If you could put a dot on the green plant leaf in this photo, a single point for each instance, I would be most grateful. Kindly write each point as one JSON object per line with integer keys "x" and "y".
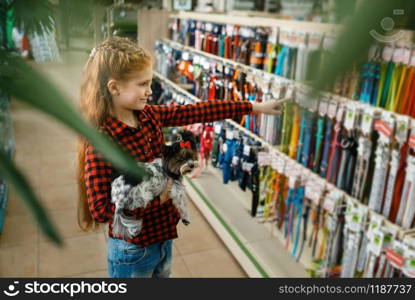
{"x": 33, "y": 16}
{"x": 355, "y": 39}
{"x": 22, "y": 81}
{"x": 12, "y": 175}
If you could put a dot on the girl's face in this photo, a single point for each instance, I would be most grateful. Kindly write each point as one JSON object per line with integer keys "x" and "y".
{"x": 133, "y": 92}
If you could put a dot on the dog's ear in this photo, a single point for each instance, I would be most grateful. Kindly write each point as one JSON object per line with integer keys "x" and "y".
{"x": 167, "y": 150}
{"x": 128, "y": 178}
{"x": 115, "y": 174}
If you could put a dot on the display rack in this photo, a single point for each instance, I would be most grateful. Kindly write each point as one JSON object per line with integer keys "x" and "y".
{"x": 274, "y": 148}
{"x": 305, "y": 26}
{"x": 326, "y": 30}
{"x": 249, "y": 69}
{"x": 259, "y": 22}
{"x": 305, "y": 172}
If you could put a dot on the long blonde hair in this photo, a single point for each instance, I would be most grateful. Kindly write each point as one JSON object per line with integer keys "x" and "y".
{"x": 114, "y": 58}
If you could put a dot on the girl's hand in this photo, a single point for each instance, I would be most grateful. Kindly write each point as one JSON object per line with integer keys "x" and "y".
{"x": 165, "y": 195}
{"x": 273, "y": 107}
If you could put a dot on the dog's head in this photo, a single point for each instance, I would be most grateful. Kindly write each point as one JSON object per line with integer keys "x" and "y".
{"x": 180, "y": 157}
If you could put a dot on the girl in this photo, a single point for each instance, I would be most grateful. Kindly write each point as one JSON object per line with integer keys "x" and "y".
{"x": 114, "y": 91}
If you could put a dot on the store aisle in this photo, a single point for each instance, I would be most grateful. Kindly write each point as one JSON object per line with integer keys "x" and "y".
{"x": 45, "y": 152}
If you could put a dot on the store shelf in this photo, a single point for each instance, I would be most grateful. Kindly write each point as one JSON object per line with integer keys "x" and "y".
{"x": 329, "y": 186}
{"x": 259, "y": 21}
{"x": 247, "y": 68}
{"x": 259, "y": 249}
{"x": 405, "y": 36}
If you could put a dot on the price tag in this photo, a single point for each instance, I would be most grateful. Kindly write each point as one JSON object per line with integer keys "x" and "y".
{"x": 402, "y": 129}
{"x": 235, "y": 160}
{"x": 313, "y": 104}
{"x": 412, "y": 137}
{"x": 409, "y": 241}
{"x": 209, "y": 26}
{"x": 265, "y": 83}
{"x": 314, "y": 41}
{"x": 247, "y": 150}
{"x": 357, "y": 217}
{"x": 236, "y": 134}
{"x": 406, "y": 59}
{"x": 331, "y": 223}
{"x": 293, "y": 182}
{"x": 279, "y": 164}
{"x": 220, "y": 70}
{"x": 375, "y": 223}
{"x": 319, "y": 189}
{"x": 398, "y": 55}
{"x": 274, "y": 160}
{"x": 385, "y": 126}
{"x": 332, "y": 200}
{"x": 376, "y": 242}
{"x": 409, "y": 266}
{"x": 185, "y": 56}
{"x": 294, "y": 39}
{"x": 340, "y": 112}
{"x": 284, "y": 37}
{"x": 395, "y": 254}
{"x": 305, "y": 175}
{"x": 302, "y": 39}
{"x": 353, "y": 222}
{"x": 387, "y": 53}
{"x": 247, "y": 166}
{"x": 249, "y": 77}
{"x": 264, "y": 158}
{"x": 276, "y": 90}
{"x": 323, "y": 107}
{"x": 229, "y": 134}
{"x": 332, "y": 109}
{"x": 224, "y": 148}
{"x": 294, "y": 175}
{"x": 218, "y": 128}
{"x": 351, "y": 115}
{"x": 290, "y": 91}
{"x": 372, "y": 52}
{"x": 229, "y": 30}
{"x": 389, "y": 237}
{"x": 206, "y": 65}
{"x": 367, "y": 121}
{"x": 273, "y": 39}
{"x": 309, "y": 190}
{"x": 196, "y": 59}
{"x": 315, "y": 189}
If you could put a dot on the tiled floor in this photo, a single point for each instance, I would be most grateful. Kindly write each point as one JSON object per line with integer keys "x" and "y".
{"x": 45, "y": 152}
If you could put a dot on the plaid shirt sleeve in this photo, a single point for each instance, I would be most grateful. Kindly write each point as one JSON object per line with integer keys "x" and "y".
{"x": 98, "y": 187}
{"x": 204, "y": 112}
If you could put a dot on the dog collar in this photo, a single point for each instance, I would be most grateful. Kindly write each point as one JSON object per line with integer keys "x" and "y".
{"x": 171, "y": 174}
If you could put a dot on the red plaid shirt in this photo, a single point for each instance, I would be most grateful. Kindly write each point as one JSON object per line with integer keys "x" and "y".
{"x": 145, "y": 144}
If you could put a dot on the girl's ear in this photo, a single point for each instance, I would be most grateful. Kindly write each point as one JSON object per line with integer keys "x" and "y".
{"x": 113, "y": 87}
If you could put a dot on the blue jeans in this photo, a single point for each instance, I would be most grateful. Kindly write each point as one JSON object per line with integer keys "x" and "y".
{"x": 127, "y": 260}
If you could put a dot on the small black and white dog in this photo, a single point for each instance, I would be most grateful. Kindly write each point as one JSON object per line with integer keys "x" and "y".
{"x": 127, "y": 192}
